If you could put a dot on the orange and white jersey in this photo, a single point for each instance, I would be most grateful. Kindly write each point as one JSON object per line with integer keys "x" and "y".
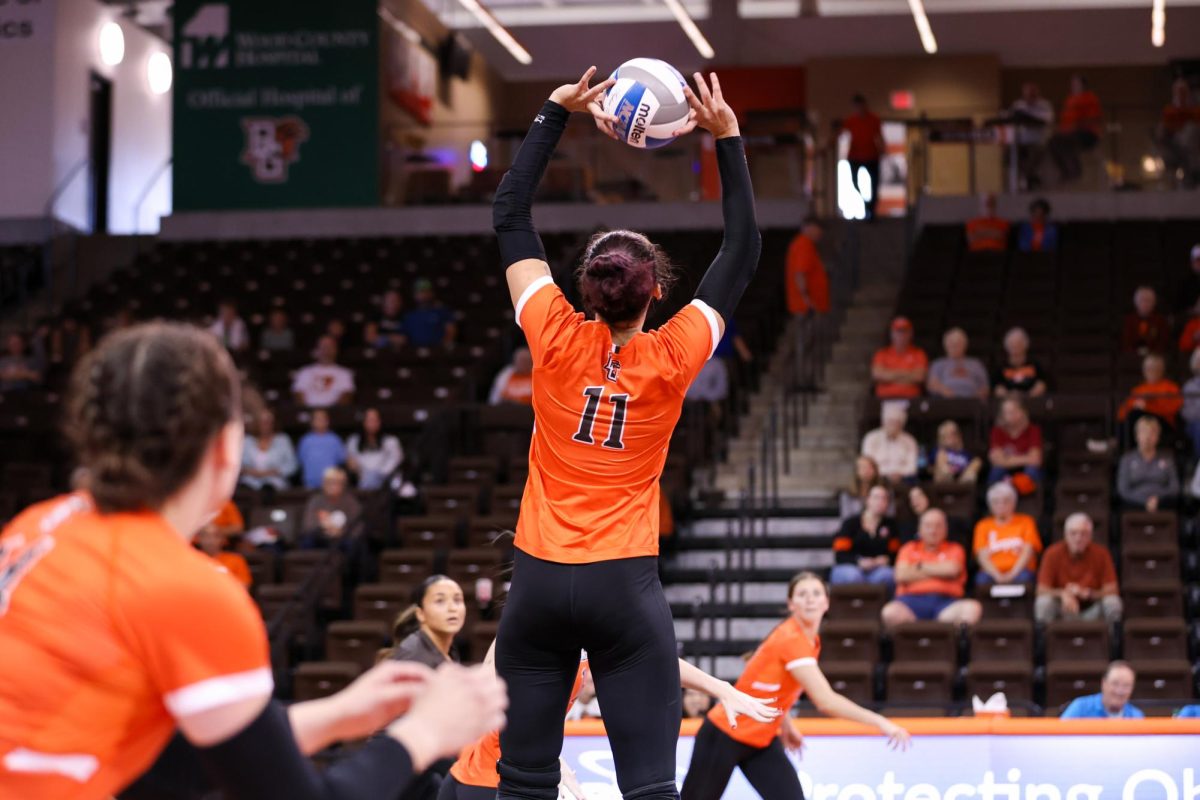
{"x": 604, "y": 416}
{"x": 111, "y": 627}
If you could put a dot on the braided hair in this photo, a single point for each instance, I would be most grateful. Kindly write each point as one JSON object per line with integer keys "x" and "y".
{"x": 142, "y": 409}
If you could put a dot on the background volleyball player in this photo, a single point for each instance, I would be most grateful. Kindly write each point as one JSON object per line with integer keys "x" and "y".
{"x": 606, "y": 397}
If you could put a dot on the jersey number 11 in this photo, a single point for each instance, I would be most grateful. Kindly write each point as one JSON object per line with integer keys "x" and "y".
{"x": 587, "y": 420}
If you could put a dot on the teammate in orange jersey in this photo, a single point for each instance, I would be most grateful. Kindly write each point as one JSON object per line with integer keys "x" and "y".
{"x": 115, "y": 631}
{"x": 784, "y": 665}
{"x": 474, "y": 776}
{"x": 606, "y": 397}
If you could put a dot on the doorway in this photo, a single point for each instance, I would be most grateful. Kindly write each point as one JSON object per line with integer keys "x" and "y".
{"x": 100, "y": 150}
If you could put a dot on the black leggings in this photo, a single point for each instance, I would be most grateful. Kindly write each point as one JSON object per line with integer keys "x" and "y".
{"x": 453, "y": 790}
{"x": 715, "y": 756}
{"x": 616, "y": 611}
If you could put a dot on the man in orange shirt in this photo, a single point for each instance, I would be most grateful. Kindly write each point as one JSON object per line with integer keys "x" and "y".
{"x": 899, "y": 369}
{"x": 1079, "y": 129}
{"x": 1179, "y": 136}
{"x": 931, "y": 574}
{"x": 1157, "y": 395}
{"x": 988, "y": 232}
{"x": 866, "y": 149}
{"x": 1006, "y": 543}
{"x": 807, "y": 283}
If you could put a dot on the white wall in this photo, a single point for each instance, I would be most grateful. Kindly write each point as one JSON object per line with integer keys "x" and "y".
{"x": 26, "y": 52}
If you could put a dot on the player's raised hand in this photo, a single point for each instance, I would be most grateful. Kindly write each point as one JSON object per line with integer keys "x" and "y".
{"x": 576, "y": 96}
{"x": 709, "y": 109}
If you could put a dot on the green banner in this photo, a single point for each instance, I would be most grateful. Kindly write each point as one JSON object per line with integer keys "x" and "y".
{"x": 276, "y": 104}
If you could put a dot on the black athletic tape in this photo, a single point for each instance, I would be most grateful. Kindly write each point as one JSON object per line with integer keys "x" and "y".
{"x": 512, "y": 210}
{"x": 730, "y": 272}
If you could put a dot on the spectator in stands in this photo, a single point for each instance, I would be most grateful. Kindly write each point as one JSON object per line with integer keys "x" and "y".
{"x": 711, "y": 389}
{"x": 695, "y": 704}
{"x": 429, "y": 324}
{"x": 277, "y": 336}
{"x": 1190, "y": 711}
{"x": 865, "y": 545}
{"x": 332, "y": 516}
{"x": 268, "y": 458}
{"x": 1116, "y": 687}
{"x": 807, "y": 289}
{"x": 1015, "y": 448}
{"x": 229, "y": 328}
{"x": 1038, "y": 234}
{"x": 1189, "y": 337}
{"x": 918, "y": 504}
{"x": 587, "y": 705}
{"x": 1077, "y": 579}
{"x": 514, "y": 383}
{"x": 952, "y": 462}
{"x": 1145, "y": 329}
{"x": 866, "y": 150}
{"x": 19, "y": 370}
{"x": 324, "y": 383}
{"x": 371, "y": 454}
{"x": 213, "y": 543}
{"x": 229, "y": 521}
{"x": 1018, "y": 374}
{"x": 1157, "y": 395}
{"x": 866, "y": 477}
{"x": 931, "y": 574}
{"x": 1178, "y": 136}
{"x": 1147, "y": 479}
{"x": 1189, "y": 293}
{"x": 336, "y": 330}
{"x": 899, "y": 369}
{"x": 391, "y": 318}
{"x": 1007, "y": 543}
{"x": 70, "y": 340}
{"x": 425, "y": 631}
{"x": 1038, "y": 115}
{"x": 1079, "y": 129}
{"x": 956, "y": 374}
{"x": 1191, "y": 403}
{"x": 987, "y": 232}
{"x": 891, "y": 447}
{"x": 319, "y": 450}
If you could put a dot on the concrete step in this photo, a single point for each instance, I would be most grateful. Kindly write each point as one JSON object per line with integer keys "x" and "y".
{"x": 775, "y": 526}
{"x": 777, "y": 559}
{"x": 748, "y": 628}
{"x": 751, "y": 593}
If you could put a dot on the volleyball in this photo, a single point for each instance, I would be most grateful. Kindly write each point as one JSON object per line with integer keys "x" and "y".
{"x": 648, "y": 101}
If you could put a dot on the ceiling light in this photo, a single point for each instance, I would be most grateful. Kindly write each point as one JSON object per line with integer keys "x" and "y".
{"x": 927, "y": 40}
{"x": 497, "y": 30}
{"x": 159, "y": 72}
{"x": 1158, "y": 23}
{"x": 112, "y": 44}
{"x": 689, "y": 27}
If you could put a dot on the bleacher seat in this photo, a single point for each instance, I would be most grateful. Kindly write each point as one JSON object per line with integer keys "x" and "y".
{"x": 313, "y": 680}
{"x": 1077, "y": 640}
{"x": 853, "y": 640}
{"x": 355, "y": 641}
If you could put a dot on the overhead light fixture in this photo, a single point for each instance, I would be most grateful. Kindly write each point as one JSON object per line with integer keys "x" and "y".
{"x": 927, "y": 40}
{"x": 1158, "y": 23}
{"x": 159, "y": 73}
{"x": 498, "y": 31}
{"x": 112, "y": 44}
{"x": 689, "y": 27}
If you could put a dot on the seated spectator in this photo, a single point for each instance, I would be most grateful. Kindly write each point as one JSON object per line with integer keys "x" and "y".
{"x": 1157, "y": 395}
{"x": 1145, "y": 329}
{"x": 324, "y": 383}
{"x": 370, "y": 454}
{"x": 1147, "y": 479}
{"x": 1178, "y": 136}
{"x": 1188, "y": 295}
{"x": 319, "y": 450}
{"x": 277, "y": 336}
{"x": 514, "y": 383}
{"x": 586, "y": 706}
{"x": 1038, "y": 234}
{"x": 1079, "y": 129}
{"x": 1037, "y": 115}
{"x": 70, "y": 341}
{"x": 391, "y": 319}
{"x": 1077, "y": 579}
{"x": 336, "y": 330}
{"x": 229, "y": 521}
{"x": 956, "y": 374}
{"x": 866, "y": 477}
{"x": 1116, "y": 687}
{"x": 891, "y": 447}
{"x": 1189, "y": 337}
{"x": 212, "y": 542}
{"x": 1006, "y": 543}
{"x": 899, "y": 369}
{"x": 1190, "y": 711}
{"x": 918, "y": 504}
{"x": 19, "y": 371}
{"x": 931, "y": 574}
{"x": 229, "y": 328}
{"x": 1015, "y": 448}
{"x": 430, "y": 324}
{"x": 987, "y": 232}
{"x": 268, "y": 458}
{"x": 1018, "y": 374}
{"x": 1191, "y": 403}
{"x": 332, "y": 516}
{"x": 952, "y": 463}
{"x": 865, "y": 545}
{"x": 695, "y": 704}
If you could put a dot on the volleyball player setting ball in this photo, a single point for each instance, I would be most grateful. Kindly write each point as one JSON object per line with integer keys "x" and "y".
{"x": 606, "y": 398}
{"x": 115, "y": 632}
{"x": 784, "y": 665}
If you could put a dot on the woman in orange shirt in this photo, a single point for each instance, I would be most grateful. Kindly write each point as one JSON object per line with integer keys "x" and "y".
{"x": 1079, "y": 129}
{"x": 784, "y": 665}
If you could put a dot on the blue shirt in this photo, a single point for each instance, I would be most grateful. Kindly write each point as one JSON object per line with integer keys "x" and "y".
{"x": 426, "y": 327}
{"x": 725, "y": 348}
{"x": 1049, "y": 238}
{"x": 318, "y": 452}
{"x": 1189, "y": 712}
{"x": 1090, "y": 707}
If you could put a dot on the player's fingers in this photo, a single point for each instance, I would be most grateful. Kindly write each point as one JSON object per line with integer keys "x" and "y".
{"x": 587, "y": 75}
{"x": 687, "y": 128}
{"x": 691, "y": 98}
{"x": 599, "y": 89}
{"x": 716, "y": 87}
{"x": 702, "y": 88}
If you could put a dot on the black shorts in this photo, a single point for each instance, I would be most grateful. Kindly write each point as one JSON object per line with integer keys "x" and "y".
{"x": 716, "y": 755}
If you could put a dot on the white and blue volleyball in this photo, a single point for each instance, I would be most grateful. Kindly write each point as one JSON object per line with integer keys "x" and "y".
{"x": 647, "y": 99}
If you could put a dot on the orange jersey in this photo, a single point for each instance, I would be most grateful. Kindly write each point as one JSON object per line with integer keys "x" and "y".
{"x": 769, "y": 674}
{"x": 476, "y": 765}
{"x": 111, "y": 627}
{"x": 603, "y": 421}
{"x": 915, "y": 552}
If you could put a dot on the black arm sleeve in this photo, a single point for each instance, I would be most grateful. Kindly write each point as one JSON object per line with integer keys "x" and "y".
{"x": 264, "y": 763}
{"x": 512, "y": 210}
{"x": 730, "y": 272}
